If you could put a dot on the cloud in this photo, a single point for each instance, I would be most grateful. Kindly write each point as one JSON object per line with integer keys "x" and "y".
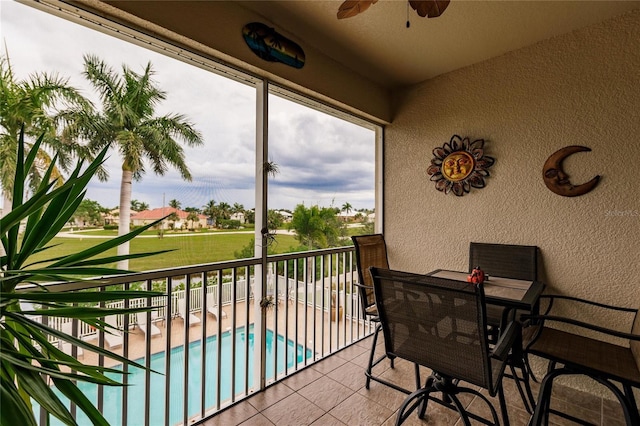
{"x": 321, "y": 159}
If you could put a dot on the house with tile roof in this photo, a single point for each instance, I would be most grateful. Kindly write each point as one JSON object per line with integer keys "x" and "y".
{"x": 147, "y": 216}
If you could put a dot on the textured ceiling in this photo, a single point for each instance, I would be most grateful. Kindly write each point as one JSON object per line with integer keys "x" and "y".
{"x": 378, "y": 44}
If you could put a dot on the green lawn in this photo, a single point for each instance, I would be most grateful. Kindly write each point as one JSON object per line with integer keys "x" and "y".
{"x": 189, "y": 250}
{"x": 154, "y": 232}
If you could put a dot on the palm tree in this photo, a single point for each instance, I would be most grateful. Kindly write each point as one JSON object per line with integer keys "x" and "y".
{"x": 173, "y": 218}
{"x": 210, "y": 210}
{"x": 175, "y": 204}
{"x": 139, "y": 205}
{"x": 127, "y": 122}
{"x": 225, "y": 210}
{"x": 237, "y": 208}
{"x": 46, "y": 105}
{"x": 191, "y": 217}
{"x": 346, "y": 207}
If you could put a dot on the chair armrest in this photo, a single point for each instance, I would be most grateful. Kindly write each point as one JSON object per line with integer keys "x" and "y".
{"x": 505, "y": 341}
{"x": 585, "y": 325}
{"x": 364, "y": 286}
{"x": 547, "y": 315}
{"x": 552, "y": 298}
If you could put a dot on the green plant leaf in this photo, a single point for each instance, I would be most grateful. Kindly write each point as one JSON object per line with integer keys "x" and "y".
{"x": 22, "y": 364}
{"x": 34, "y": 218}
{"x": 80, "y": 297}
{"x": 37, "y": 389}
{"x": 27, "y": 353}
{"x": 58, "y": 358}
{"x": 42, "y": 330}
{"x": 72, "y": 392}
{"x": 33, "y": 239}
{"x": 15, "y": 411}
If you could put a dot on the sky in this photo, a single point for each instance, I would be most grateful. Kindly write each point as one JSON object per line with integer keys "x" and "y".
{"x": 321, "y": 159}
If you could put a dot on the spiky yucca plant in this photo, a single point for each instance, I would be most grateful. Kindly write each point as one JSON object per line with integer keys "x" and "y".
{"x": 27, "y": 358}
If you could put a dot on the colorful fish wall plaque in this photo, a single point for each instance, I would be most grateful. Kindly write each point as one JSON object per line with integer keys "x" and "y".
{"x": 271, "y": 46}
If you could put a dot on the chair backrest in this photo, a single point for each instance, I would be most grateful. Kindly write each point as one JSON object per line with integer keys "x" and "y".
{"x": 437, "y": 323}
{"x": 141, "y": 318}
{"x": 505, "y": 260}
{"x": 371, "y": 250}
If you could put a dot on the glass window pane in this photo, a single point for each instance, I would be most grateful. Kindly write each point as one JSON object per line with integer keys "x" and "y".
{"x": 323, "y": 161}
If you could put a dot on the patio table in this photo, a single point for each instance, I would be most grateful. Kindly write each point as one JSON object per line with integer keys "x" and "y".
{"x": 507, "y": 292}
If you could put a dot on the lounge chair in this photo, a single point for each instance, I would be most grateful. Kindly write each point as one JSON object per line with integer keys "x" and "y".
{"x": 66, "y": 347}
{"x": 113, "y": 335}
{"x": 212, "y": 307}
{"x": 182, "y": 311}
{"x": 141, "y": 319}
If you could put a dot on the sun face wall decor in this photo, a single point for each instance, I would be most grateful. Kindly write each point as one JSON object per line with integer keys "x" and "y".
{"x": 459, "y": 165}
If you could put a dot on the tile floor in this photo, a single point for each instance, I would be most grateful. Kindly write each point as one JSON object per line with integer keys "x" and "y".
{"x": 332, "y": 392}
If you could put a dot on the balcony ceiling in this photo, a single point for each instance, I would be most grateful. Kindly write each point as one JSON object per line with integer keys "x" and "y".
{"x": 378, "y": 45}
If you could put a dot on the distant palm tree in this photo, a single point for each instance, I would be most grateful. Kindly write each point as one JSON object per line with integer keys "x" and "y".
{"x": 237, "y": 208}
{"x": 210, "y": 209}
{"x": 173, "y": 218}
{"x": 44, "y": 104}
{"x": 129, "y": 124}
{"x": 224, "y": 209}
{"x": 139, "y": 205}
{"x": 192, "y": 217}
{"x": 346, "y": 207}
{"x": 175, "y": 204}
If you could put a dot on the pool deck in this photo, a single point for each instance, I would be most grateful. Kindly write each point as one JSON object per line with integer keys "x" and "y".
{"x": 137, "y": 341}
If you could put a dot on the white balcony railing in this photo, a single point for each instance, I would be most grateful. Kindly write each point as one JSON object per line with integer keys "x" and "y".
{"x": 205, "y": 349}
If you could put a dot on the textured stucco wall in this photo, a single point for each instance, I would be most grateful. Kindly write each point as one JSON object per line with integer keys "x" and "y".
{"x": 582, "y": 88}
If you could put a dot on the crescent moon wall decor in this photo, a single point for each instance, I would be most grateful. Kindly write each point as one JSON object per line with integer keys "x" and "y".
{"x": 558, "y": 181}
{"x": 272, "y": 46}
{"x": 459, "y": 165}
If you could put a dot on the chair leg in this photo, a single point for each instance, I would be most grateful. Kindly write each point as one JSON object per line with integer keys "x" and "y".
{"x": 372, "y": 354}
{"x": 372, "y": 363}
{"x": 417, "y": 371}
{"x": 460, "y": 408}
{"x": 544, "y": 399}
{"x": 421, "y": 396}
{"x": 633, "y": 407}
{"x": 526, "y": 394}
{"x": 423, "y": 409}
{"x": 503, "y": 406}
{"x": 626, "y": 399}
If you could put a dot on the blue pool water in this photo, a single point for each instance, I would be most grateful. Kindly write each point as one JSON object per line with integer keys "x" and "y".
{"x": 135, "y": 397}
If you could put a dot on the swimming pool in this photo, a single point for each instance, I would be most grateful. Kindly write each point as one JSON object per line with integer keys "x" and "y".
{"x": 135, "y": 397}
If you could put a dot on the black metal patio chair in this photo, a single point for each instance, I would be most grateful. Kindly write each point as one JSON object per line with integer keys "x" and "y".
{"x": 508, "y": 261}
{"x": 583, "y": 351}
{"x": 371, "y": 250}
{"x": 503, "y": 260}
{"x": 441, "y": 324}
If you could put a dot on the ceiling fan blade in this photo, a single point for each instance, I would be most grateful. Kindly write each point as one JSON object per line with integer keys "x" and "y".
{"x": 429, "y": 8}
{"x": 353, "y": 7}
